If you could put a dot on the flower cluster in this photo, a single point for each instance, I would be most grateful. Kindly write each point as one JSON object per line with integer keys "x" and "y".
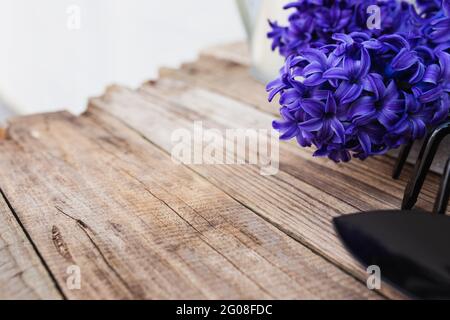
{"x": 349, "y": 90}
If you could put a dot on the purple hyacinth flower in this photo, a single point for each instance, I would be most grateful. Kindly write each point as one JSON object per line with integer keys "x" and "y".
{"x": 427, "y": 6}
{"x": 353, "y": 71}
{"x": 414, "y": 122}
{"x": 323, "y": 120}
{"x": 289, "y": 127}
{"x": 351, "y": 91}
{"x": 352, "y": 74}
{"x": 276, "y": 34}
{"x": 332, "y": 20}
{"x": 439, "y": 30}
{"x": 436, "y": 83}
{"x": 282, "y": 82}
{"x": 319, "y": 63}
{"x": 441, "y": 111}
{"x": 384, "y": 105}
{"x": 335, "y": 152}
{"x": 369, "y": 136}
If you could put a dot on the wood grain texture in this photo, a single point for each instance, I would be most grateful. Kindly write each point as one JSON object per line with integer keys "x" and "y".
{"x": 229, "y": 78}
{"x": 296, "y": 207}
{"x": 22, "y": 274}
{"x": 95, "y": 194}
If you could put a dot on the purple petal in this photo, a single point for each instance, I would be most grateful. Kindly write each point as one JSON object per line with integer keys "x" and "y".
{"x": 333, "y": 59}
{"x": 391, "y": 92}
{"x": 286, "y": 114}
{"x": 290, "y": 133}
{"x": 336, "y": 73}
{"x": 314, "y": 80}
{"x": 444, "y": 62}
{"x": 372, "y": 44}
{"x": 313, "y": 67}
{"x": 281, "y": 125}
{"x": 321, "y": 152}
{"x": 416, "y": 91}
{"x": 314, "y": 55}
{"x": 365, "y": 142}
{"x": 350, "y": 66}
{"x": 330, "y": 105}
{"x": 319, "y": 94}
{"x": 376, "y": 85}
{"x": 313, "y": 107}
{"x": 395, "y": 42}
{"x": 442, "y": 111}
{"x": 419, "y": 129}
{"x": 274, "y": 88}
{"x": 341, "y": 90}
{"x": 362, "y": 107}
{"x": 401, "y": 128}
{"x": 446, "y": 7}
{"x": 418, "y": 75}
{"x": 395, "y": 105}
{"x": 365, "y": 63}
{"x": 404, "y": 60}
{"x": 432, "y": 74}
{"x": 289, "y": 96}
{"x": 431, "y": 95}
{"x": 303, "y": 139}
{"x": 314, "y": 124}
{"x": 352, "y": 93}
{"x": 440, "y": 28}
{"x": 388, "y": 118}
{"x": 326, "y": 133}
{"x": 411, "y": 103}
{"x": 340, "y": 155}
{"x": 342, "y": 37}
{"x": 339, "y": 130}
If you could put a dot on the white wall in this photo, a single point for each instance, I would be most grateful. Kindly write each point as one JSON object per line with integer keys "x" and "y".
{"x": 45, "y": 66}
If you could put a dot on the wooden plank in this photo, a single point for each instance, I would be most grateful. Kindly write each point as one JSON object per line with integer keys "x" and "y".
{"x": 22, "y": 274}
{"x": 226, "y": 77}
{"x": 378, "y": 169}
{"x": 237, "y": 52}
{"x": 95, "y": 194}
{"x": 298, "y": 208}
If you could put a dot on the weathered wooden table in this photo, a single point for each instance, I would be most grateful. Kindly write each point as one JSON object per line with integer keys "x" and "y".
{"x": 97, "y": 198}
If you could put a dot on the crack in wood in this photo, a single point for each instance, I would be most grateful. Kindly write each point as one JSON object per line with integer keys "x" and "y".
{"x": 34, "y": 247}
{"x": 135, "y": 291}
{"x": 60, "y": 245}
{"x": 85, "y": 228}
{"x": 78, "y": 221}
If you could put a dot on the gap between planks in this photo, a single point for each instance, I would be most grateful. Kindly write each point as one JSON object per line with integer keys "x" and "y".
{"x": 23, "y": 274}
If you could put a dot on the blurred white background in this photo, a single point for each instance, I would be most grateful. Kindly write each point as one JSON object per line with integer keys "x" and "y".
{"x": 47, "y": 63}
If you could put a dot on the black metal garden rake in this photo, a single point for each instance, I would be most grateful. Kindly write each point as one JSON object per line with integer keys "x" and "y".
{"x": 426, "y": 156}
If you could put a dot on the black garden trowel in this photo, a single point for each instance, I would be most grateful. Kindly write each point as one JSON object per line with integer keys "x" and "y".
{"x": 411, "y": 248}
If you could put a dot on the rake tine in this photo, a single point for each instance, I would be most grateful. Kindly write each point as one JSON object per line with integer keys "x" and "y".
{"x": 423, "y": 164}
{"x": 401, "y": 160}
{"x": 441, "y": 204}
